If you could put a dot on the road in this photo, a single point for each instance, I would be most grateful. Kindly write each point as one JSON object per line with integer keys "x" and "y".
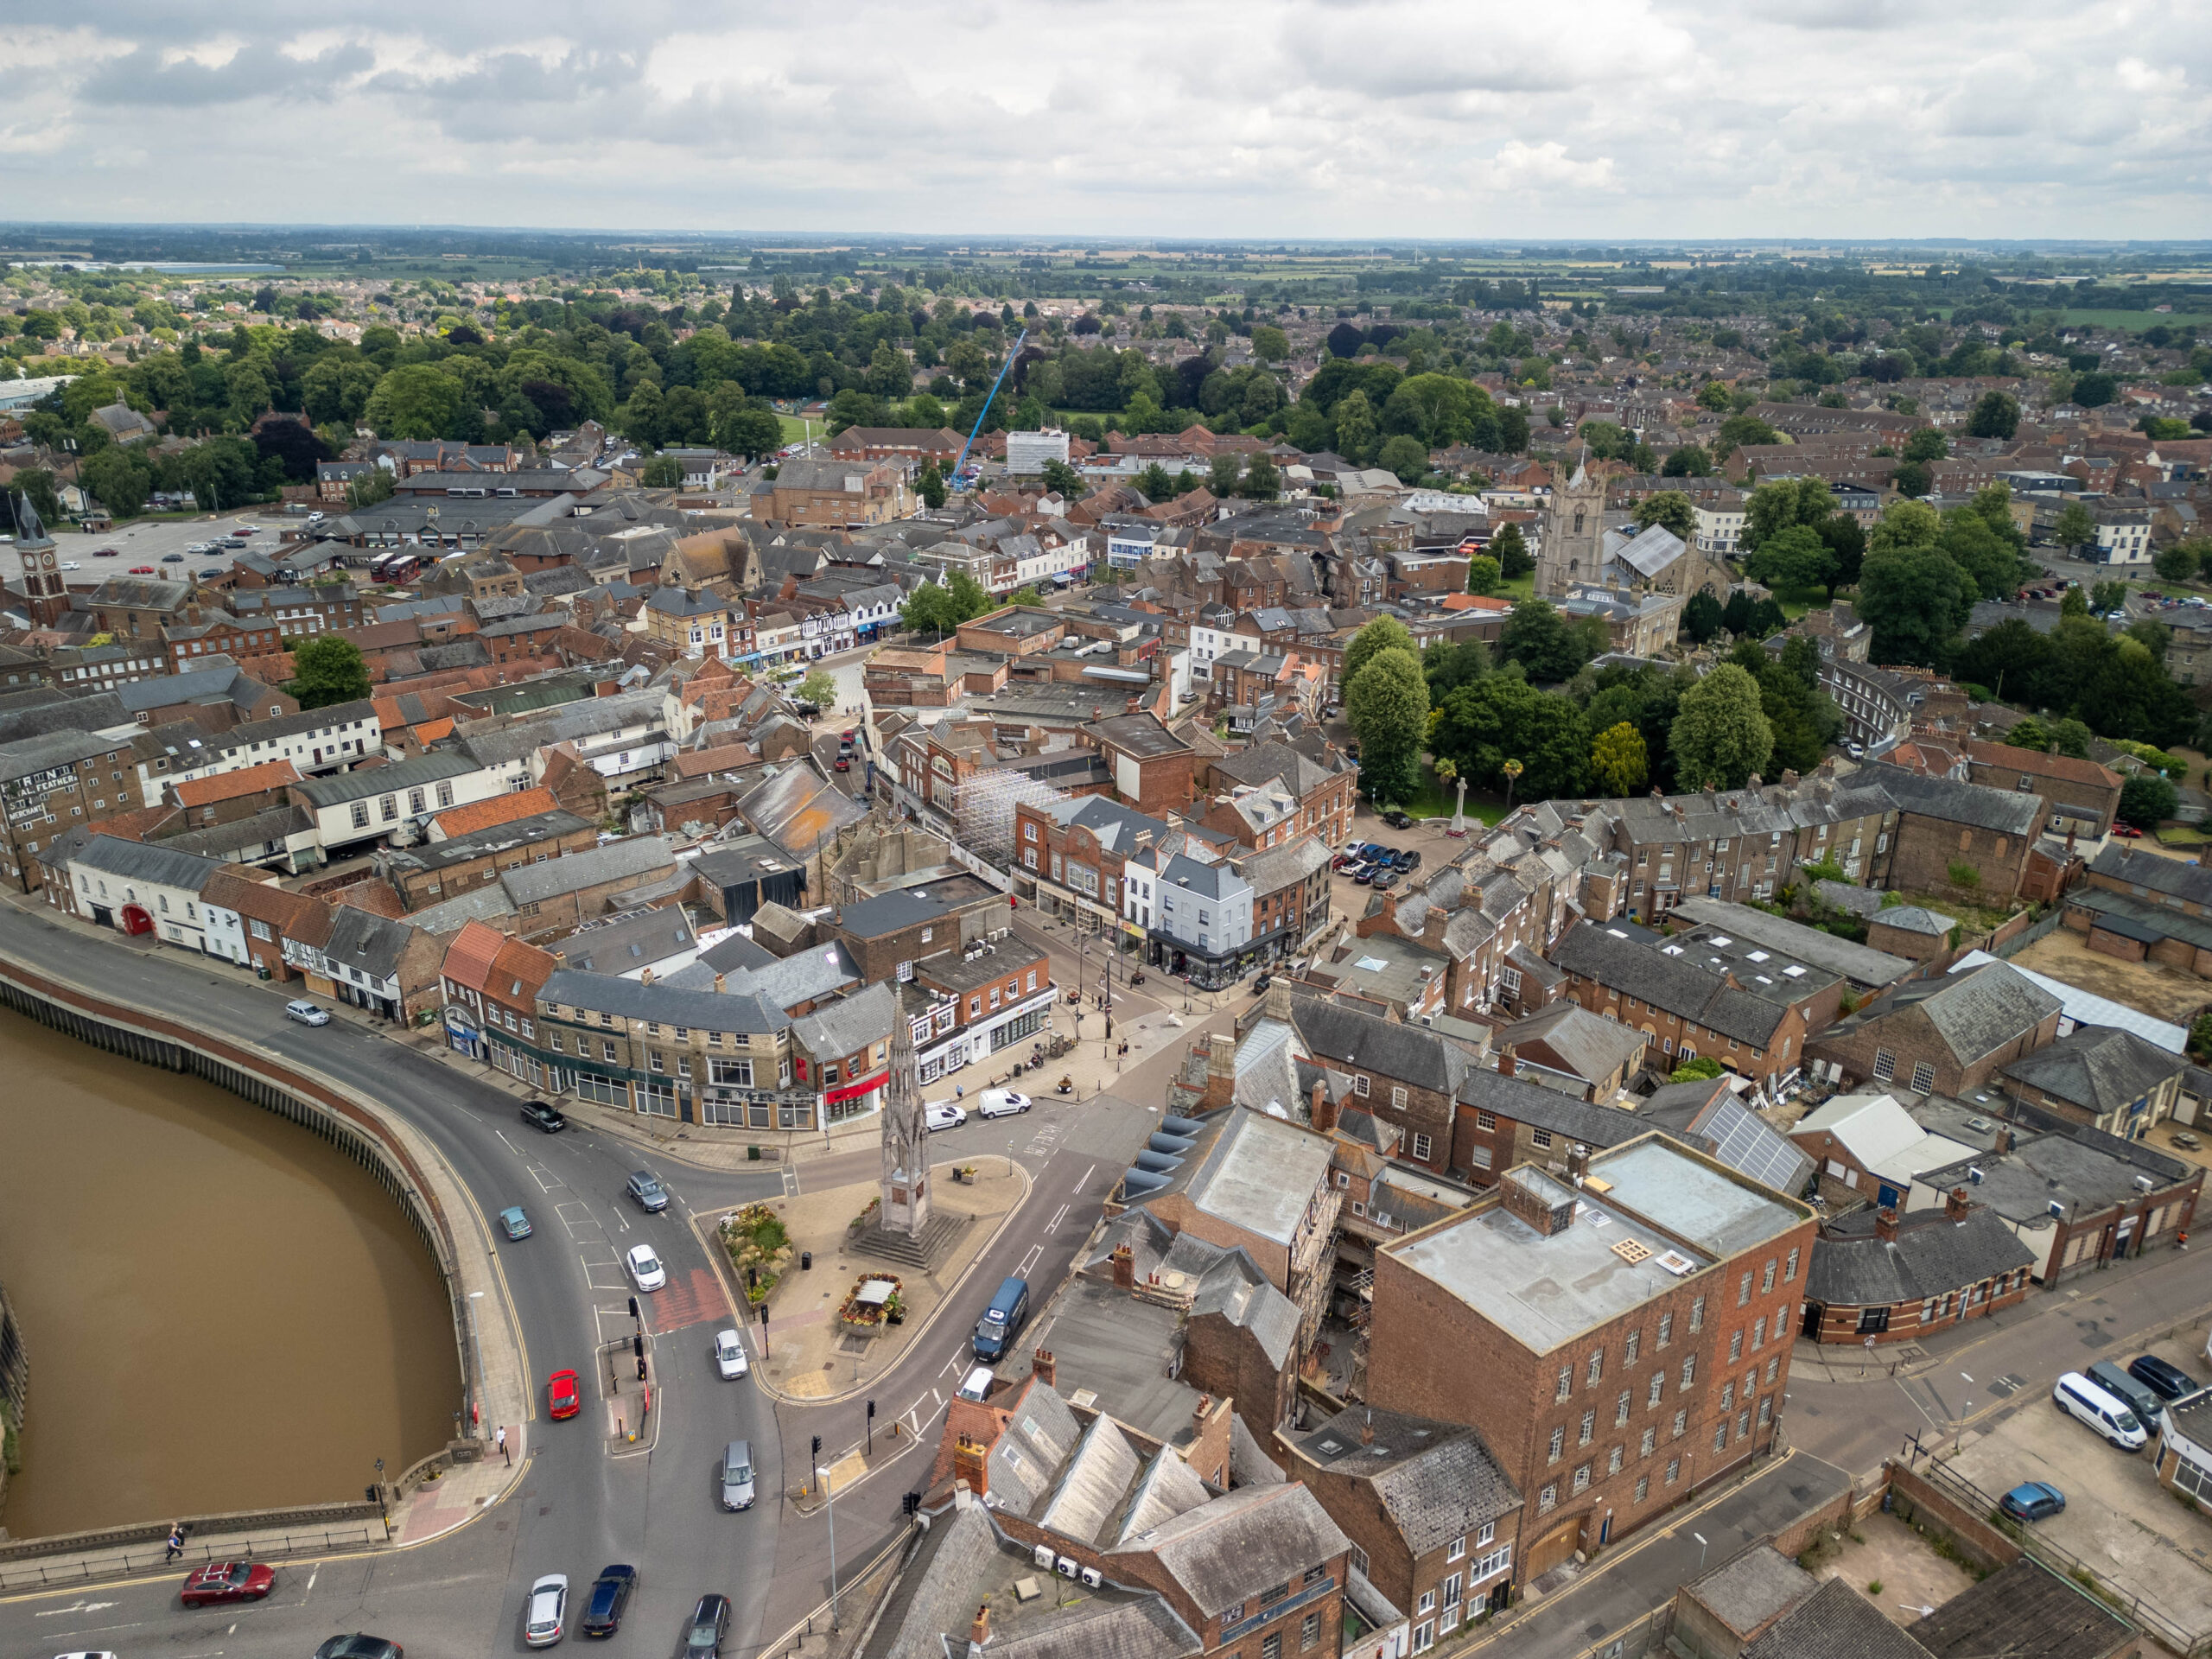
{"x": 582, "y": 1505}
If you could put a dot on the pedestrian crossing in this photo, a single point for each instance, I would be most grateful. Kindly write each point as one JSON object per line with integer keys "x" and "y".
{"x": 695, "y": 1298}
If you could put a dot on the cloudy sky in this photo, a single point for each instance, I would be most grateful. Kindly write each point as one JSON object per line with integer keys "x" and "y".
{"x": 1297, "y": 119}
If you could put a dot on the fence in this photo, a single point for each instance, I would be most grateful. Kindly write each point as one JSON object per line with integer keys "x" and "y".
{"x": 87, "y": 1567}
{"x": 2040, "y": 929}
{"x": 1977, "y": 1504}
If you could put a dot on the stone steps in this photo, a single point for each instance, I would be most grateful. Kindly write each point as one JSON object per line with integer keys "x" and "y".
{"x": 923, "y": 1250}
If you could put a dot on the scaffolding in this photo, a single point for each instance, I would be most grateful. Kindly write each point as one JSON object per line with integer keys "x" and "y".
{"x": 986, "y": 811}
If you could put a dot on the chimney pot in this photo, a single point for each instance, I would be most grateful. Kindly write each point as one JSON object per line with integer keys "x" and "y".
{"x": 1367, "y": 1433}
{"x": 1509, "y": 1062}
{"x": 980, "y": 1631}
{"x": 1885, "y": 1225}
{"x": 1954, "y": 1204}
{"x": 1044, "y": 1368}
{"x": 1125, "y": 1267}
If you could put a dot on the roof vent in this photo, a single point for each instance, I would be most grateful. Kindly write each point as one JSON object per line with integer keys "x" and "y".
{"x": 1676, "y": 1263}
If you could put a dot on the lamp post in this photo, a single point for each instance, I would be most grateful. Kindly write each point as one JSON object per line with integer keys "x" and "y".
{"x": 1701, "y": 1552}
{"x": 829, "y": 1502}
{"x": 383, "y": 1510}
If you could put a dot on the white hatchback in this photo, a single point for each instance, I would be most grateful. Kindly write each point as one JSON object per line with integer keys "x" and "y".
{"x": 729, "y": 1353}
{"x": 645, "y": 1268}
{"x": 549, "y": 1610}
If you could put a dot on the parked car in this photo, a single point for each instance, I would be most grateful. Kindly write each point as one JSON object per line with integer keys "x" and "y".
{"x": 2167, "y": 1382}
{"x": 943, "y": 1115}
{"x": 141, "y": 569}
{"x": 1001, "y": 1102}
{"x": 1384, "y": 881}
{"x": 709, "y": 1620}
{"x": 561, "y": 1398}
{"x": 70, "y": 564}
{"x": 645, "y": 1188}
{"x": 516, "y": 1224}
{"x": 2032, "y": 1500}
{"x": 843, "y": 763}
{"x": 645, "y": 1268}
{"x": 107, "y": 553}
{"x": 546, "y": 1621}
{"x": 221, "y": 1581}
{"x": 1363, "y": 875}
{"x": 610, "y": 1594}
{"x": 211, "y": 572}
{"x": 541, "y": 1115}
{"x": 360, "y": 1646}
{"x": 307, "y": 1014}
{"x": 1398, "y": 820}
{"x": 2126, "y": 831}
{"x": 172, "y": 558}
{"x": 729, "y": 1353}
{"x": 1262, "y": 983}
{"x": 1406, "y": 859}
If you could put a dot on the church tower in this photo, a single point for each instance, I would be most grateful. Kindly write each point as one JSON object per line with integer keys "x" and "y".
{"x": 45, "y": 596}
{"x": 1574, "y": 528}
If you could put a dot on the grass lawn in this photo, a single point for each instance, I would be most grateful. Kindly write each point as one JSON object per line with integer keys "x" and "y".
{"x": 1795, "y": 601}
{"x": 795, "y": 428}
{"x": 1519, "y": 587}
{"x": 1434, "y": 800}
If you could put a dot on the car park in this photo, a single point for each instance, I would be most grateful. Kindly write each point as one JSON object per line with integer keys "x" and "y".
{"x": 541, "y": 1115}
{"x": 2032, "y": 1500}
{"x": 172, "y": 558}
{"x": 645, "y": 1188}
{"x": 943, "y": 1115}
{"x": 645, "y": 1268}
{"x": 516, "y": 1224}
{"x": 729, "y": 1353}
{"x": 221, "y": 1581}
{"x": 709, "y": 1622}
{"x": 610, "y": 1594}
{"x": 2167, "y": 1382}
{"x": 307, "y": 1014}
{"x": 1001, "y": 1102}
{"x": 546, "y": 1621}
{"x": 561, "y": 1398}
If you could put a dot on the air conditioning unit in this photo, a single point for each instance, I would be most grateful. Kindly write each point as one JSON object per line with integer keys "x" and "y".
{"x": 2144, "y": 1183}
{"x": 1043, "y": 1556}
{"x": 1091, "y": 1577}
{"x": 2057, "y": 1209}
{"x": 1065, "y": 1566}
{"x": 1973, "y": 1175}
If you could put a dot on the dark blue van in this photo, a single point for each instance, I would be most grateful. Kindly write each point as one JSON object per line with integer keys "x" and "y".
{"x": 1002, "y": 1320}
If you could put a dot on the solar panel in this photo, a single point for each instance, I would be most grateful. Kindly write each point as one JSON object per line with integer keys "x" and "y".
{"x": 1751, "y": 1147}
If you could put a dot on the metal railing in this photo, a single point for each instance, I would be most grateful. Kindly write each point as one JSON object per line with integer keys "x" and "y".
{"x": 155, "y": 1558}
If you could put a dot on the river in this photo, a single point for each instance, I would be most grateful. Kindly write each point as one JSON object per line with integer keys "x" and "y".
{"x": 222, "y": 1312}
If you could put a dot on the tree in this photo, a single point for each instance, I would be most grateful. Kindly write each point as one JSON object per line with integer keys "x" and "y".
{"x": 1690, "y": 461}
{"x": 1355, "y": 421}
{"x": 2028, "y": 732}
{"x": 662, "y": 472}
{"x": 416, "y": 400}
{"x": 1154, "y": 483}
{"x": 1538, "y": 638}
{"x": 1673, "y": 511}
{"x": 1482, "y": 575}
{"x": 1773, "y": 508}
{"x": 1722, "y": 735}
{"x": 1996, "y": 415}
{"x": 1501, "y": 730}
{"x": 1712, "y": 395}
{"x": 1701, "y": 617}
{"x": 940, "y": 607}
{"x": 1063, "y": 480}
{"x": 1927, "y": 444}
{"x": 818, "y": 687}
{"x": 1703, "y": 1069}
{"x": 1263, "y": 478}
{"x": 2075, "y": 527}
{"x": 37, "y": 484}
{"x": 2070, "y": 737}
{"x": 1847, "y": 540}
{"x": 2146, "y": 800}
{"x": 1741, "y": 431}
{"x": 1915, "y": 598}
{"x": 1383, "y": 634}
{"x": 1796, "y": 557}
{"x": 1227, "y": 469}
{"x": 931, "y": 486}
{"x": 1387, "y": 704}
{"x": 2071, "y": 604}
{"x": 2176, "y": 562}
{"x": 327, "y": 669}
{"x": 1618, "y": 760}
{"x": 1511, "y": 548}
{"x": 1270, "y": 344}
{"x": 119, "y": 479}
{"x": 1912, "y": 479}
{"x": 371, "y": 486}
{"x": 2092, "y": 391}
{"x": 1404, "y": 455}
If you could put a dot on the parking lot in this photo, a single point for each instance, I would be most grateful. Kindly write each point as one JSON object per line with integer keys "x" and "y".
{"x": 2130, "y": 1531}
{"x": 146, "y": 544}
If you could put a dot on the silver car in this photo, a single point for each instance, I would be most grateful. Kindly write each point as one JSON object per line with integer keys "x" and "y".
{"x": 547, "y": 1620}
{"x": 307, "y": 1014}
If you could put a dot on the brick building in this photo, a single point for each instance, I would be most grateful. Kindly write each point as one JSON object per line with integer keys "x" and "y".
{"x": 1326, "y": 788}
{"x": 1946, "y": 828}
{"x": 1944, "y": 1036}
{"x": 2102, "y": 1075}
{"x": 2083, "y": 797}
{"x": 1151, "y": 767}
{"x": 888, "y": 935}
{"x": 1878, "y": 1277}
{"x": 52, "y": 783}
{"x": 1618, "y": 1345}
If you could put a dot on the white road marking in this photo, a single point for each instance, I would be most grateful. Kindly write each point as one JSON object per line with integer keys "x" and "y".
{"x": 948, "y": 1365}
{"x": 1058, "y": 1216}
{"x": 1029, "y": 1262}
{"x": 1085, "y": 1181}
{"x": 508, "y": 1144}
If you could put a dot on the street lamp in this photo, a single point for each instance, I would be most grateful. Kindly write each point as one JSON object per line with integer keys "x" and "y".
{"x": 829, "y": 1502}
{"x": 384, "y": 1512}
{"x": 1701, "y": 1551}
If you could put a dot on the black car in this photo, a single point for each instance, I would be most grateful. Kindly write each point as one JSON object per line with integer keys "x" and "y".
{"x": 2167, "y": 1382}
{"x": 1398, "y": 820}
{"x": 540, "y": 1115}
{"x": 1407, "y": 860}
{"x": 359, "y": 1646}
{"x": 610, "y": 1594}
{"x": 1262, "y": 983}
{"x": 709, "y": 1619}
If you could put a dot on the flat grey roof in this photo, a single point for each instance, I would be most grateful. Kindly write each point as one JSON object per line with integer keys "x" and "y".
{"x": 1119, "y": 1349}
{"x": 1691, "y": 1200}
{"x": 1261, "y": 1175}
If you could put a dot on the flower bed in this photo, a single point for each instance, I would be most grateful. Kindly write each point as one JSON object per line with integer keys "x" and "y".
{"x": 874, "y": 1302}
{"x": 758, "y": 1247}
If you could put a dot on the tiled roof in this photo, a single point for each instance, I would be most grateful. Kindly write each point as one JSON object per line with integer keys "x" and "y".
{"x": 500, "y": 809}
{"x": 229, "y": 786}
{"x": 469, "y": 957}
{"x": 2100, "y": 1069}
{"x": 1931, "y": 1255}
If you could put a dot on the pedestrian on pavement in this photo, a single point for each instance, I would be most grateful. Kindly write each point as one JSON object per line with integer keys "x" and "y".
{"x": 176, "y": 1543}
{"x": 501, "y": 1440}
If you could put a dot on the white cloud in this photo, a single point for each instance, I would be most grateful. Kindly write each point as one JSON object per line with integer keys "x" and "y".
{"x": 1135, "y": 117}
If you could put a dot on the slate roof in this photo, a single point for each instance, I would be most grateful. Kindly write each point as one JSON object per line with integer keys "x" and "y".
{"x": 1834, "y": 1622}
{"x": 1591, "y": 1047}
{"x": 1337, "y": 1033}
{"x": 1932, "y": 1253}
{"x": 139, "y": 861}
{"x": 364, "y": 781}
{"x": 627, "y": 997}
{"x": 2004, "y": 810}
{"x": 1436, "y": 1481}
{"x": 1227, "y": 1552}
{"x": 2021, "y": 1611}
{"x": 1976, "y": 1014}
{"x": 360, "y": 938}
{"x": 1746, "y": 1592}
{"x": 850, "y": 1025}
{"x": 2100, "y": 1069}
{"x": 2164, "y": 876}
{"x": 889, "y": 912}
{"x": 1611, "y": 958}
{"x": 535, "y": 883}
{"x": 1859, "y": 963}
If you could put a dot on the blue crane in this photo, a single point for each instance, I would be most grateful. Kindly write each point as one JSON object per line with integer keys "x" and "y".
{"x": 978, "y": 427}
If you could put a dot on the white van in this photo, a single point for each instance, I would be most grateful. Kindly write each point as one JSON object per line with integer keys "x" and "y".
{"x": 2102, "y": 1410}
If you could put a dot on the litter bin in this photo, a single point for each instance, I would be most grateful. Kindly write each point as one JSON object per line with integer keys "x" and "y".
{"x": 806, "y": 1261}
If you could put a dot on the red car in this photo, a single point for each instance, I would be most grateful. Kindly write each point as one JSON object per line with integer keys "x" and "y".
{"x": 229, "y": 1582}
{"x": 2127, "y": 832}
{"x": 844, "y": 763}
{"x": 561, "y": 1398}
{"x": 141, "y": 569}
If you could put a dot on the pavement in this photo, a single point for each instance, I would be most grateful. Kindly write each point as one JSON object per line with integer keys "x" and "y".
{"x": 1621, "y": 1587}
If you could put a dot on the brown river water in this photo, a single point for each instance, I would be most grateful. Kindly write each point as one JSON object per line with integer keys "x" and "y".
{"x": 221, "y": 1310}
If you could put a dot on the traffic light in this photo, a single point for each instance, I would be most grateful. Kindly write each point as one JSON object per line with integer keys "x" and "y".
{"x": 871, "y": 1410}
{"x": 368, "y": 1494}
{"x": 912, "y": 1504}
{"x": 638, "y": 1346}
{"x": 817, "y": 1446}
{"x": 634, "y": 1307}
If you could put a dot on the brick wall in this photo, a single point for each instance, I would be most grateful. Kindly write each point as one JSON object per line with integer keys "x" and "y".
{"x": 1923, "y": 850}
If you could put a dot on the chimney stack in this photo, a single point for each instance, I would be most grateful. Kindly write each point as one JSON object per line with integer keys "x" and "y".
{"x": 1885, "y": 1225}
{"x": 1434, "y": 923}
{"x": 979, "y": 1632}
{"x": 1324, "y": 1109}
{"x": 1125, "y": 1267}
{"x": 971, "y": 1463}
{"x": 1509, "y": 1062}
{"x": 1954, "y": 1204}
{"x": 1221, "y": 1071}
{"x": 1367, "y": 1431}
{"x": 1044, "y": 1368}
{"x": 647, "y": 977}
{"x": 718, "y": 984}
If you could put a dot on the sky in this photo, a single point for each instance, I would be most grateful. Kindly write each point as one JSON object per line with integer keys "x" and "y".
{"x": 1606, "y": 119}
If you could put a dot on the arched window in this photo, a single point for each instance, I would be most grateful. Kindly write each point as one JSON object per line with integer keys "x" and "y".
{"x": 1578, "y": 522}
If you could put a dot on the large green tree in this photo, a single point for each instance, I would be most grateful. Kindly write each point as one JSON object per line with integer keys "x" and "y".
{"x": 1915, "y": 598}
{"x": 1511, "y": 548}
{"x": 1672, "y": 511}
{"x": 1794, "y": 558}
{"x": 1722, "y": 735}
{"x": 416, "y": 400}
{"x": 1383, "y": 634}
{"x": 1386, "y": 704}
{"x": 1543, "y": 642}
{"x": 327, "y": 670}
{"x": 1501, "y": 718}
{"x": 1618, "y": 760}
